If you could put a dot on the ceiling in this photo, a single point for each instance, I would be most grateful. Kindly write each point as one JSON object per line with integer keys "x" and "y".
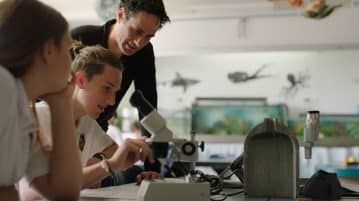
{"x": 187, "y": 9}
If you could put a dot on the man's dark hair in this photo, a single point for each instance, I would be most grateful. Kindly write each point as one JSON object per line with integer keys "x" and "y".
{"x": 154, "y": 7}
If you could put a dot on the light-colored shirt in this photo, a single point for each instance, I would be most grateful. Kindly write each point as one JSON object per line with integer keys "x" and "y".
{"x": 115, "y": 133}
{"x": 87, "y": 132}
{"x": 18, "y": 155}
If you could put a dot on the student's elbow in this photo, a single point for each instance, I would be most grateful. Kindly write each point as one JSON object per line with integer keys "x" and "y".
{"x": 41, "y": 188}
{"x": 33, "y": 195}
{"x": 59, "y": 195}
{"x": 66, "y": 190}
{"x": 27, "y": 193}
{"x": 68, "y": 195}
{"x": 70, "y": 192}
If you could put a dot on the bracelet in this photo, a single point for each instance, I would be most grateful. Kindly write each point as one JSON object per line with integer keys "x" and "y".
{"x": 106, "y": 166}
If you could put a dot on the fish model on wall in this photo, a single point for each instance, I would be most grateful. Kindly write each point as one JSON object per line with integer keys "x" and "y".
{"x": 296, "y": 82}
{"x": 314, "y": 9}
{"x": 320, "y": 9}
{"x": 241, "y": 76}
{"x": 180, "y": 81}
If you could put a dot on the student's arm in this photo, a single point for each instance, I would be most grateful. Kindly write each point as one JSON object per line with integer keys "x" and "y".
{"x": 94, "y": 174}
{"x": 130, "y": 151}
{"x": 94, "y": 180}
{"x": 145, "y": 79}
{"x": 110, "y": 150}
{"x": 63, "y": 180}
{"x": 9, "y": 193}
{"x": 124, "y": 156}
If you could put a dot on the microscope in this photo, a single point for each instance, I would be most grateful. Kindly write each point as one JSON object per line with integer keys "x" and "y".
{"x": 184, "y": 150}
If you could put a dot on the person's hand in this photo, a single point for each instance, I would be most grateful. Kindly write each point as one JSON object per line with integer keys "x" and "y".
{"x": 149, "y": 175}
{"x": 62, "y": 96}
{"x": 129, "y": 152}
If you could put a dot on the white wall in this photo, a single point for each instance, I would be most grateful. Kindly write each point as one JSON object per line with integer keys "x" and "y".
{"x": 333, "y": 86}
{"x": 184, "y": 46}
{"x": 340, "y": 30}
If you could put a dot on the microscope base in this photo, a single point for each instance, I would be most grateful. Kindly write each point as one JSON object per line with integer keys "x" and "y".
{"x": 173, "y": 190}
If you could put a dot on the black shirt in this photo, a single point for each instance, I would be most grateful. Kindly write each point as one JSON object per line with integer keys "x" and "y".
{"x": 139, "y": 68}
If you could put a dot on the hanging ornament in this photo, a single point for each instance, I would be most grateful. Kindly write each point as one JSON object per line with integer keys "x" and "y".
{"x": 106, "y": 9}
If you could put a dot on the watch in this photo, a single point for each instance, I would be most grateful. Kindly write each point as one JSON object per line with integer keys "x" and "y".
{"x": 100, "y": 156}
{"x": 104, "y": 164}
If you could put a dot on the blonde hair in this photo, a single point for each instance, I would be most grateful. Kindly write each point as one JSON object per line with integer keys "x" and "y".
{"x": 92, "y": 59}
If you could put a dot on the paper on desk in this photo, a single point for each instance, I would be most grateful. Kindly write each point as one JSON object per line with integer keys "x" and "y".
{"x": 124, "y": 192}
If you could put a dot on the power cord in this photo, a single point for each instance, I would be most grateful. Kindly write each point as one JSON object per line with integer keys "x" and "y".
{"x": 224, "y": 196}
{"x": 216, "y": 185}
{"x": 216, "y": 182}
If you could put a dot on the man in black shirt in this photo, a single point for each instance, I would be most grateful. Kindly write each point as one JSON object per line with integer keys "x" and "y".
{"x": 128, "y": 36}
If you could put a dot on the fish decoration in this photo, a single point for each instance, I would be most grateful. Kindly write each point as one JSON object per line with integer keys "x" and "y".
{"x": 315, "y": 9}
{"x": 180, "y": 81}
{"x": 319, "y": 9}
{"x": 241, "y": 76}
{"x": 296, "y": 82}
